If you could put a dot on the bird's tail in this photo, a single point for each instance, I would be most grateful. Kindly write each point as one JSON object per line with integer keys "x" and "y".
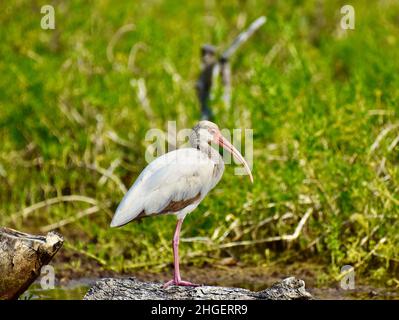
{"x": 125, "y": 213}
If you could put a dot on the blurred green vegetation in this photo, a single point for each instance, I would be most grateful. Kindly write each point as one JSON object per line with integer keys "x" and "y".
{"x": 322, "y": 101}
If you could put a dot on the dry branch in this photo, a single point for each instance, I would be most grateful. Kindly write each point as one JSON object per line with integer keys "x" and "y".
{"x": 213, "y": 66}
{"x": 21, "y": 257}
{"x": 242, "y": 37}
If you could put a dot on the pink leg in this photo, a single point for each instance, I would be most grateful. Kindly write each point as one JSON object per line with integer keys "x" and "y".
{"x": 177, "y": 281}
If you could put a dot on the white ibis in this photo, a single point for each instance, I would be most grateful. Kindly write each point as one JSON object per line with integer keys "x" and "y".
{"x": 176, "y": 183}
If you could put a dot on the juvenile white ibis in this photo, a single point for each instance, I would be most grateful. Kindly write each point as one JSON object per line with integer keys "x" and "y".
{"x": 176, "y": 183}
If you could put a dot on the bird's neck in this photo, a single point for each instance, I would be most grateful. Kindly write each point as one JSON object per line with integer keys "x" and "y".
{"x": 210, "y": 152}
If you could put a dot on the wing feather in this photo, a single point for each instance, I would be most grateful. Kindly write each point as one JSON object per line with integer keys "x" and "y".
{"x": 176, "y": 177}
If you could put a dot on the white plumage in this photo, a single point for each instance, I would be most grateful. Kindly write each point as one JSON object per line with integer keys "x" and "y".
{"x": 176, "y": 176}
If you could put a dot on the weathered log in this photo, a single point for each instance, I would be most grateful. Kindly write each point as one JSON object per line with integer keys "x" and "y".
{"x": 22, "y": 256}
{"x": 133, "y": 289}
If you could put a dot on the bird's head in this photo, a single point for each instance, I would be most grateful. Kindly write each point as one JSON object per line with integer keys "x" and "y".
{"x": 207, "y": 132}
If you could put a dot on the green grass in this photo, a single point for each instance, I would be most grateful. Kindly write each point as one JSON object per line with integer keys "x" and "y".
{"x": 316, "y": 97}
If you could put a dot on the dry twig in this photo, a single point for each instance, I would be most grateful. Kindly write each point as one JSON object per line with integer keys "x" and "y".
{"x": 64, "y": 222}
{"x": 286, "y": 237}
{"x": 71, "y": 198}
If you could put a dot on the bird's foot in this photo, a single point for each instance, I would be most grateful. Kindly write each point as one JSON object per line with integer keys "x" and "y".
{"x": 180, "y": 283}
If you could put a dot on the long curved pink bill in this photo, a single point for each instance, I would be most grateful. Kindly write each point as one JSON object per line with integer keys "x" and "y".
{"x": 222, "y": 141}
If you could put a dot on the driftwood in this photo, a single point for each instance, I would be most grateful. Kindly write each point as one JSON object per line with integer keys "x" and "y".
{"x": 21, "y": 257}
{"x": 133, "y": 289}
{"x": 212, "y": 66}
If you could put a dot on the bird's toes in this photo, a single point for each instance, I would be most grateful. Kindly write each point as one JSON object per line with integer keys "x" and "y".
{"x": 169, "y": 283}
{"x": 180, "y": 283}
{"x": 187, "y": 284}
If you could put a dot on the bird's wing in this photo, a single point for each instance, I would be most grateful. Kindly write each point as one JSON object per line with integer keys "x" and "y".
{"x": 168, "y": 184}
